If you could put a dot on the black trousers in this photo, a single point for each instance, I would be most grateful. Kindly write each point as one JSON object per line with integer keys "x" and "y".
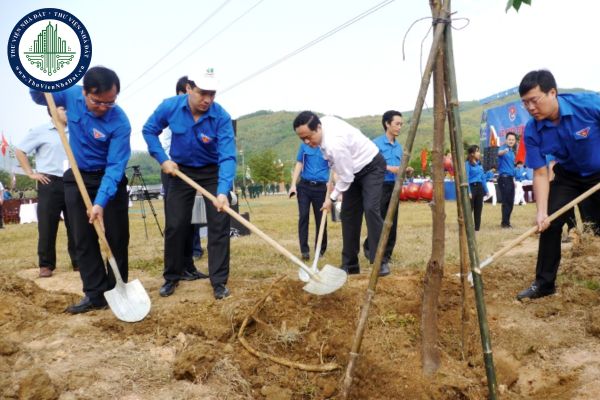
{"x": 506, "y": 185}
{"x": 564, "y": 188}
{"x": 178, "y": 229}
{"x": 51, "y": 202}
{"x": 189, "y": 244}
{"x": 310, "y": 194}
{"x": 363, "y": 196}
{"x": 477, "y": 193}
{"x": 1, "y": 215}
{"x": 97, "y": 275}
{"x": 386, "y": 196}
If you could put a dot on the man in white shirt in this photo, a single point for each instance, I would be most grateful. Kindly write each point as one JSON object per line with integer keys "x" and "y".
{"x": 360, "y": 170}
{"x": 50, "y": 160}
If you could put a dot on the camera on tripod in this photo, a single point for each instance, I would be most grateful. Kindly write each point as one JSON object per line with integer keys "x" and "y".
{"x": 140, "y": 191}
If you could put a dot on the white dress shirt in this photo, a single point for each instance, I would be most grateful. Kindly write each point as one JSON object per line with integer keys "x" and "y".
{"x": 347, "y": 150}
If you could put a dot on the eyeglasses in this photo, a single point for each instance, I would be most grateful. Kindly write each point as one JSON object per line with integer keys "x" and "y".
{"x": 533, "y": 101}
{"x": 102, "y": 103}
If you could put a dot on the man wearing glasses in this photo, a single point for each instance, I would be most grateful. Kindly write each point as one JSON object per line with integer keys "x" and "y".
{"x": 566, "y": 126}
{"x": 203, "y": 148}
{"x": 99, "y": 133}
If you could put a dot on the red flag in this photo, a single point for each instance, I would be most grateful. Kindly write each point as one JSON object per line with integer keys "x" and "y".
{"x": 3, "y": 145}
{"x": 424, "y": 160}
{"x": 521, "y": 150}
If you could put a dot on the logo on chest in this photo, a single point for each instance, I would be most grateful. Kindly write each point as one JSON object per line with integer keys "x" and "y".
{"x": 98, "y": 135}
{"x": 205, "y": 139}
{"x": 582, "y": 134}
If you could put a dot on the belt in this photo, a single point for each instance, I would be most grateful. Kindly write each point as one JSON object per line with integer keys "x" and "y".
{"x": 506, "y": 176}
{"x": 54, "y": 177}
{"x": 475, "y": 183}
{"x": 314, "y": 183}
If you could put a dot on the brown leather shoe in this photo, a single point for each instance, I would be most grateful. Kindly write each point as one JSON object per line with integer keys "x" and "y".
{"x": 45, "y": 272}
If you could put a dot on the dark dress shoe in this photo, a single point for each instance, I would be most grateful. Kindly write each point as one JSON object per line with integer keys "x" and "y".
{"x": 384, "y": 270}
{"x": 352, "y": 269}
{"x": 221, "y": 292}
{"x": 45, "y": 272}
{"x": 85, "y": 305}
{"x": 189, "y": 275}
{"x": 168, "y": 288}
{"x": 535, "y": 292}
{"x": 306, "y": 256}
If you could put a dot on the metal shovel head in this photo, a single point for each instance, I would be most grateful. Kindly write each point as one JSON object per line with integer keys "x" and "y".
{"x": 129, "y": 301}
{"x": 327, "y": 280}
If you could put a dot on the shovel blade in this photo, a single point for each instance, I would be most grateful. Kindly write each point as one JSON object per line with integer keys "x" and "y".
{"x": 327, "y": 280}
{"x": 129, "y": 301}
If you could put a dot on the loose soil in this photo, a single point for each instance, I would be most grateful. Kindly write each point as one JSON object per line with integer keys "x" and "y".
{"x": 187, "y": 347}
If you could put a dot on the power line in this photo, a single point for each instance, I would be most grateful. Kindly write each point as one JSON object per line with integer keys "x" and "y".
{"x": 180, "y": 42}
{"x": 309, "y": 44}
{"x": 196, "y": 49}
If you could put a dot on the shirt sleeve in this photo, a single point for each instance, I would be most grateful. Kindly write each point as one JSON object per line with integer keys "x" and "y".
{"x": 30, "y": 142}
{"x": 226, "y": 151}
{"x": 534, "y": 157}
{"x": 119, "y": 151}
{"x": 152, "y": 128}
{"x": 300, "y": 155}
{"x": 344, "y": 168}
{"x": 60, "y": 98}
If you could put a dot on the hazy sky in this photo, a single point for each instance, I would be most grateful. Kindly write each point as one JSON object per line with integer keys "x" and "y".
{"x": 357, "y": 71}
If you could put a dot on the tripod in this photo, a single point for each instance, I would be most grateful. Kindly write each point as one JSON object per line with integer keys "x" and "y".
{"x": 137, "y": 174}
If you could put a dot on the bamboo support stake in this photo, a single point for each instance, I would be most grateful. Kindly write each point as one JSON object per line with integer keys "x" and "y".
{"x": 472, "y": 244}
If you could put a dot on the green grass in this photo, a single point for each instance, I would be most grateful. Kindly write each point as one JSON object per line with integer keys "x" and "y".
{"x": 277, "y": 216}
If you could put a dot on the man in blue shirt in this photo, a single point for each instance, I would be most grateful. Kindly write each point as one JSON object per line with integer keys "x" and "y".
{"x": 566, "y": 126}
{"x": 202, "y": 147}
{"x": 506, "y": 173}
{"x": 193, "y": 245}
{"x": 99, "y": 134}
{"x": 391, "y": 150}
{"x": 312, "y": 189}
{"x": 50, "y": 159}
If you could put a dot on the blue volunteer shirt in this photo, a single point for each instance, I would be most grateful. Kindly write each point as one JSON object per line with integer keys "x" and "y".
{"x": 392, "y": 152}
{"x": 475, "y": 174}
{"x": 98, "y": 143}
{"x": 520, "y": 174}
{"x": 208, "y": 141}
{"x": 574, "y": 142}
{"x": 506, "y": 162}
{"x": 489, "y": 176}
{"x": 314, "y": 166}
{"x": 44, "y": 142}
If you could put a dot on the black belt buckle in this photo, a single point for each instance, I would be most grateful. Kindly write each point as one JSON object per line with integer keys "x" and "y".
{"x": 315, "y": 183}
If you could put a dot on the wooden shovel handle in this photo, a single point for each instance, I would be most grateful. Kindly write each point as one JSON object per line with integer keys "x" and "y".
{"x": 534, "y": 229}
{"x": 245, "y": 222}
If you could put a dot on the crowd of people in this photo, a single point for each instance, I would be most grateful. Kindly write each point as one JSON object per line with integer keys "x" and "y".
{"x": 336, "y": 162}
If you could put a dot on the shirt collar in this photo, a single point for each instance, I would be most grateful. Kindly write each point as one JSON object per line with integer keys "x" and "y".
{"x": 210, "y": 113}
{"x": 564, "y": 109}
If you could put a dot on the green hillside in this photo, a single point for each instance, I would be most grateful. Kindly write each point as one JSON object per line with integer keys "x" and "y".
{"x": 273, "y": 130}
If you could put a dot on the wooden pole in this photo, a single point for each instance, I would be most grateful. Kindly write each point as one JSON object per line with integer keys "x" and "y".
{"x": 466, "y": 206}
{"x": 392, "y": 209}
{"x": 430, "y": 352}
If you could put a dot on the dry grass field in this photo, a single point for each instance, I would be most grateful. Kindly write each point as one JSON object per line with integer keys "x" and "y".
{"x": 187, "y": 348}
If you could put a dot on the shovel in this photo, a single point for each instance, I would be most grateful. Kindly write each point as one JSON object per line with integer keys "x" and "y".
{"x": 326, "y": 281}
{"x": 128, "y": 301}
{"x": 533, "y": 230}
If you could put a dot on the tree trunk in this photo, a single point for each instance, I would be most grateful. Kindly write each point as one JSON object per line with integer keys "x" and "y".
{"x": 435, "y": 267}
